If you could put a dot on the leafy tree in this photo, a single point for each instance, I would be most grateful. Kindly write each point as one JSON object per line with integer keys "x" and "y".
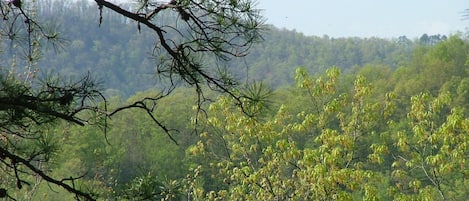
{"x": 341, "y": 146}
{"x": 253, "y": 158}
{"x": 431, "y": 156}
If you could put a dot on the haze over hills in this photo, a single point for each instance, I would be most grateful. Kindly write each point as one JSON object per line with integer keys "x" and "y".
{"x": 118, "y": 54}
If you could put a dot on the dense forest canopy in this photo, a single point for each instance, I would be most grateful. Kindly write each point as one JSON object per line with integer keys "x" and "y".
{"x": 323, "y": 118}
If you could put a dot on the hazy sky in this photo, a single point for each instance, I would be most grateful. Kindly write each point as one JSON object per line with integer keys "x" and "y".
{"x": 366, "y": 18}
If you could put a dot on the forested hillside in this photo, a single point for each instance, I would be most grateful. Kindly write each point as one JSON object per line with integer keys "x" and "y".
{"x": 118, "y": 54}
{"x": 374, "y": 133}
{"x": 322, "y": 119}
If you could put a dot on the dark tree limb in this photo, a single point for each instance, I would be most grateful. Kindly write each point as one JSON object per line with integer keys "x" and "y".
{"x": 19, "y": 160}
{"x": 7, "y": 104}
{"x": 222, "y": 41}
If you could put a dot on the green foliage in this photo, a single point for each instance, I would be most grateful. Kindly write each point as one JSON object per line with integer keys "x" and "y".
{"x": 149, "y": 187}
{"x": 330, "y": 137}
{"x": 29, "y": 109}
{"x": 260, "y": 159}
{"x": 387, "y": 122}
{"x": 331, "y": 141}
{"x": 431, "y": 151}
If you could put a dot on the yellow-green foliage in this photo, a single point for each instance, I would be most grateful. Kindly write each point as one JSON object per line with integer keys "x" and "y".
{"x": 343, "y": 146}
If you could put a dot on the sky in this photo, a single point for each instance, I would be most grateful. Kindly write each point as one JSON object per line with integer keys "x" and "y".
{"x": 367, "y": 18}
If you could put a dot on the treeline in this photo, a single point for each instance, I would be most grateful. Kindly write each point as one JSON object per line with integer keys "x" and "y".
{"x": 116, "y": 52}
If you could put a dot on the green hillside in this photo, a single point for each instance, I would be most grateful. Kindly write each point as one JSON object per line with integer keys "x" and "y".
{"x": 119, "y": 55}
{"x": 313, "y": 118}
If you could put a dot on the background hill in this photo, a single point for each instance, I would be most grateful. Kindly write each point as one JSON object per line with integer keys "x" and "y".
{"x": 119, "y": 55}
